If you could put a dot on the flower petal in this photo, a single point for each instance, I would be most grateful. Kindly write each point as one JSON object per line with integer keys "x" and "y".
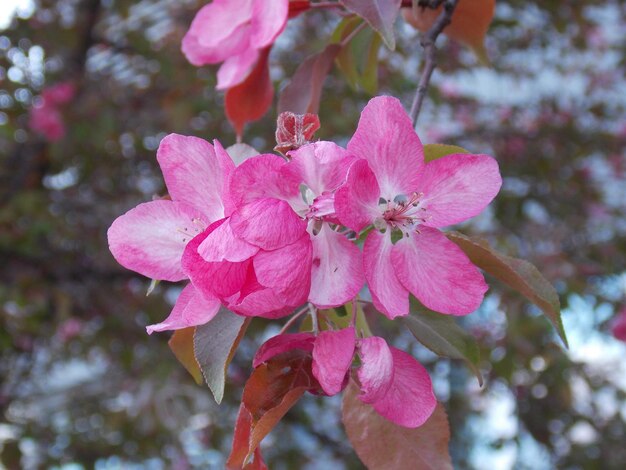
{"x": 267, "y": 223}
{"x": 223, "y": 245}
{"x": 260, "y": 177}
{"x": 376, "y": 373}
{"x": 236, "y": 69}
{"x": 389, "y": 295}
{"x": 438, "y": 273}
{"x": 217, "y": 32}
{"x": 268, "y": 21}
{"x": 222, "y": 279}
{"x": 191, "y": 309}
{"x": 283, "y": 343}
{"x": 386, "y": 139}
{"x": 356, "y": 202}
{"x": 322, "y": 166}
{"x": 457, "y": 187}
{"x": 150, "y": 239}
{"x": 409, "y": 400}
{"x": 195, "y": 174}
{"x": 332, "y": 358}
{"x": 286, "y": 271}
{"x": 337, "y": 273}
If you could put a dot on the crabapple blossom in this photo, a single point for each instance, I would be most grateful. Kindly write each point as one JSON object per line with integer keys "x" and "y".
{"x": 277, "y": 250}
{"x": 233, "y": 32}
{"x": 45, "y": 117}
{"x": 392, "y": 381}
{"x": 151, "y": 238}
{"x": 405, "y": 200}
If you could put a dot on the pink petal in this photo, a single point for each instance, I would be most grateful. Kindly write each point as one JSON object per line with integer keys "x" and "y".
{"x": 191, "y": 309}
{"x": 261, "y": 177}
{"x": 264, "y": 303}
{"x": 457, "y": 187}
{"x": 268, "y": 21}
{"x": 217, "y": 32}
{"x": 322, "y": 166}
{"x": 150, "y": 239}
{"x": 376, "y": 373}
{"x": 356, "y": 202}
{"x": 195, "y": 174}
{"x": 267, "y": 223}
{"x": 337, "y": 273}
{"x": 236, "y": 69}
{"x": 409, "y": 400}
{"x": 332, "y": 358}
{"x": 223, "y": 245}
{"x": 284, "y": 266}
{"x": 386, "y": 139}
{"x": 241, "y": 152}
{"x": 438, "y": 273}
{"x": 222, "y": 279}
{"x": 283, "y": 343}
{"x": 389, "y": 295}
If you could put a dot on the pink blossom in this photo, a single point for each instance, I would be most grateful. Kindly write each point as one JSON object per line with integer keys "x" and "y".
{"x": 406, "y": 200}
{"x": 391, "y": 381}
{"x": 618, "y": 328}
{"x": 277, "y": 249}
{"x": 59, "y": 94}
{"x": 151, "y": 238}
{"x": 47, "y": 121}
{"x": 234, "y": 32}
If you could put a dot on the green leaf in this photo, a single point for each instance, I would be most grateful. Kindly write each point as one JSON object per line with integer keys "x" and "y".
{"x": 181, "y": 344}
{"x": 358, "y": 60}
{"x": 215, "y": 344}
{"x": 518, "y": 274}
{"x": 444, "y": 337}
{"x": 435, "y": 151}
{"x": 383, "y": 445}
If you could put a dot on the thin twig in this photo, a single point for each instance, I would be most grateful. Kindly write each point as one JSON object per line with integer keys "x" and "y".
{"x": 428, "y": 44}
{"x": 293, "y": 319}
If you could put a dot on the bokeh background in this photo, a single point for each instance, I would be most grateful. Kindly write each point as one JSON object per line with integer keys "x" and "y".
{"x": 83, "y": 386}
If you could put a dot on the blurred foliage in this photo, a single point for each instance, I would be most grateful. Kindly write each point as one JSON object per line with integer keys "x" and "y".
{"x": 81, "y": 382}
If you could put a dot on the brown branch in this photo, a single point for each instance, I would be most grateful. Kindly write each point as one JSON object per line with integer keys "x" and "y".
{"x": 428, "y": 44}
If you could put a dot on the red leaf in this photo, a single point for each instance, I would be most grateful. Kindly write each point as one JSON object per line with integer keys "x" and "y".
{"x": 380, "y": 14}
{"x": 302, "y": 94}
{"x": 251, "y": 99}
{"x": 383, "y": 445}
{"x": 295, "y": 130}
{"x": 298, "y": 6}
{"x": 272, "y": 389}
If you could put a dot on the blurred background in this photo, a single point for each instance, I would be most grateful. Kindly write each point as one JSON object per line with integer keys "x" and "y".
{"x": 81, "y": 383}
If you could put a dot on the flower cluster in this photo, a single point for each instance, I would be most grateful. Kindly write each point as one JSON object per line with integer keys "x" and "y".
{"x": 45, "y": 116}
{"x": 270, "y": 234}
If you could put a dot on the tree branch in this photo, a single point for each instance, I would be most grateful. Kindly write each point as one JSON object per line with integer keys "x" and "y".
{"x": 428, "y": 44}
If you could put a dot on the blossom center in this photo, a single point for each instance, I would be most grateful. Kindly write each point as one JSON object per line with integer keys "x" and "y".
{"x": 196, "y": 226}
{"x": 405, "y": 213}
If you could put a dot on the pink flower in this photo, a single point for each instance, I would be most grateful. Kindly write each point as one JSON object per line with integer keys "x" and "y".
{"x": 45, "y": 117}
{"x": 59, "y": 94}
{"x": 278, "y": 249}
{"x": 47, "y": 121}
{"x": 406, "y": 201}
{"x": 618, "y": 327}
{"x": 392, "y": 381}
{"x": 234, "y": 32}
{"x": 151, "y": 238}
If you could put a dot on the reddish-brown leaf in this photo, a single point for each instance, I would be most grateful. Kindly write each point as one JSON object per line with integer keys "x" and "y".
{"x": 272, "y": 389}
{"x": 295, "y": 130}
{"x": 302, "y": 94}
{"x": 251, "y": 99}
{"x": 181, "y": 344}
{"x": 470, "y": 22}
{"x": 383, "y": 445}
{"x": 380, "y": 14}
{"x": 298, "y": 6}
